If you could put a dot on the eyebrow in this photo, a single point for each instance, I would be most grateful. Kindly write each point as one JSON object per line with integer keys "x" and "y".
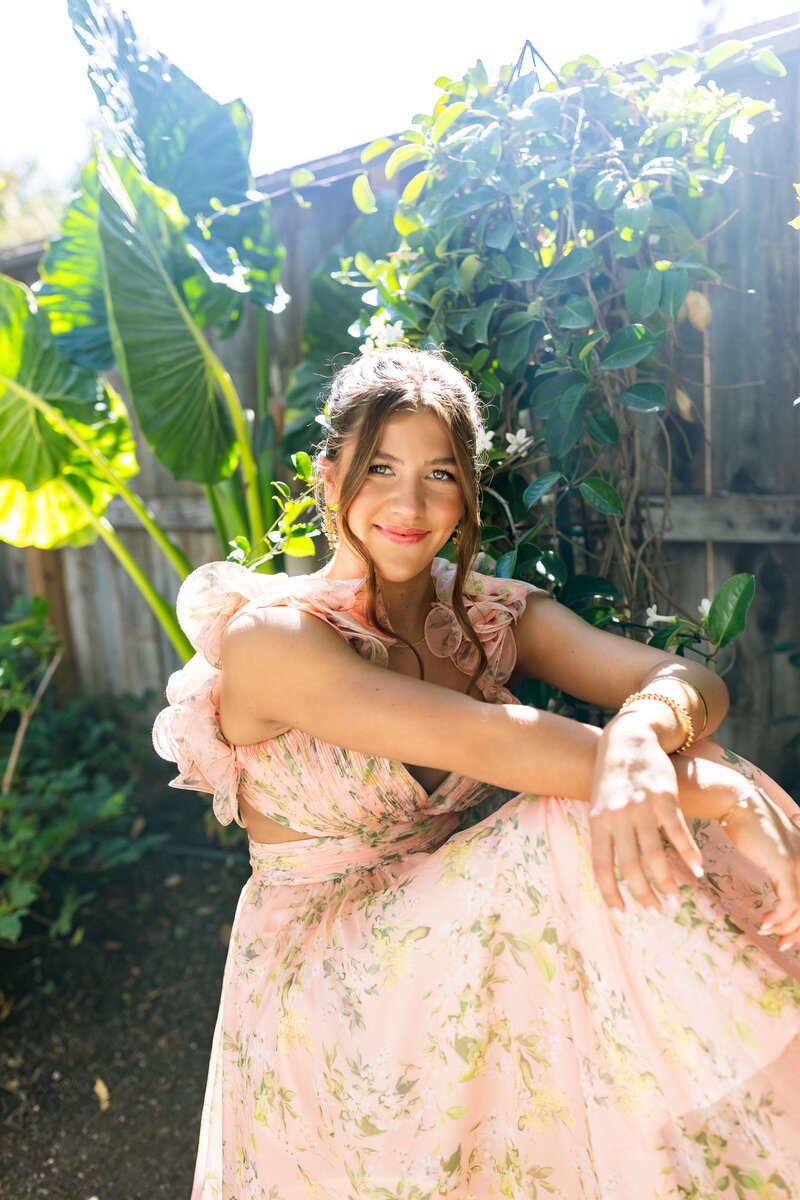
{"x": 431, "y": 461}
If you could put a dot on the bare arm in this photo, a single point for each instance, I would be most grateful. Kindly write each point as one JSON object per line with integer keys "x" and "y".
{"x": 287, "y": 667}
{"x": 554, "y": 644}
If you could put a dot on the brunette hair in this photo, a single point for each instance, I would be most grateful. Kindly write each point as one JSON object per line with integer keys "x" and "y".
{"x": 362, "y": 396}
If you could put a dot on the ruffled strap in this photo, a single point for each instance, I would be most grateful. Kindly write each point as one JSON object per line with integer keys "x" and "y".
{"x": 493, "y": 606}
{"x": 187, "y": 732}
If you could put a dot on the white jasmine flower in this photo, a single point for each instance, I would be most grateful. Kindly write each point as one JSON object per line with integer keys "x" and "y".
{"x": 517, "y": 441}
{"x": 654, "y": 618}
{"x": 741, "y": 127}
{"x": 381, "y": 333}
{"x": 703, "y": 608}
{"x": 484, "y": 440}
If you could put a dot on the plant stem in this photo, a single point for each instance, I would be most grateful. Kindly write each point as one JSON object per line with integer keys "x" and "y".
{"x": 24, "y": 722}
{"x": 164, "y": 612}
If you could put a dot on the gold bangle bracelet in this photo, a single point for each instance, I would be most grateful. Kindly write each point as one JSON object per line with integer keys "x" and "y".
{"x": 678, "y": 709}
{"x": 694, "y": 688}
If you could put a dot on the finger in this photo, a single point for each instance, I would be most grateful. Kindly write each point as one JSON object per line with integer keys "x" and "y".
{"x": 673, "y": 822}
{"x": 654, "y": 860}
{"x": 785, "y": 914}
{"x": 603, "y": 863}
{"x": 630, "y": 864}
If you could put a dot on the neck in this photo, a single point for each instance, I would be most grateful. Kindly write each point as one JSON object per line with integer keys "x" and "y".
{"x": 407, "y": 601}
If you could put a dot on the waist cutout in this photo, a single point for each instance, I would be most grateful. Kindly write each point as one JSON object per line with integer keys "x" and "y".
{"x": 312, "y": 860}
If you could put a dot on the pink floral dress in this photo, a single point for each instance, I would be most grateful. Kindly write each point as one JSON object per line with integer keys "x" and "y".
{"x": 416, "y": 1007}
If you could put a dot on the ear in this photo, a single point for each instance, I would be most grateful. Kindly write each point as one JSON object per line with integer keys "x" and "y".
{"x": 326, "y": 467}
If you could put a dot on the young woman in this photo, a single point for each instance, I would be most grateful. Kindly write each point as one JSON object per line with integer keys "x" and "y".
{"x": 580, "y": 995}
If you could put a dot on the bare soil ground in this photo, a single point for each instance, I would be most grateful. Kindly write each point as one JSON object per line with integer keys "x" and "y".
{"x": 104, "y": 1046}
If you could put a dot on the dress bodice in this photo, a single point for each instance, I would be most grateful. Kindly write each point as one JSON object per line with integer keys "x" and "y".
{"x": 304, "y": 783}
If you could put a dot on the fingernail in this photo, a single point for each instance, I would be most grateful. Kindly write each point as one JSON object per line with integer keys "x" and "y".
{"x": 697, "y": 870}
{"x": 784, "y": 944}
{"x": 766, "y": 927}
{"x": 616, "y": 913}
{"x": 671, "y": 903}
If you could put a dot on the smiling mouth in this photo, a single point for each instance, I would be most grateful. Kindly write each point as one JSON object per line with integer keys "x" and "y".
{"x": 398, "y": 534}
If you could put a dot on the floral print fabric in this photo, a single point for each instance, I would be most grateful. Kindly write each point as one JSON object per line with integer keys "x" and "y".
{"x": 415, "y": 1007}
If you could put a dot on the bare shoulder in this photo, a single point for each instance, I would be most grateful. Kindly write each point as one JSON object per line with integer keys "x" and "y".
{"x": 267, "y": 656}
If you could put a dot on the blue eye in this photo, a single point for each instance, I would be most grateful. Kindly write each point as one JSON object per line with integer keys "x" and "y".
{"x": 379, "y": 467}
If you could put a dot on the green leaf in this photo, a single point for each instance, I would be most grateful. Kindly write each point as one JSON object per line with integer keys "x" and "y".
{"x": 539, "y": 487}
{"x": 515, "y": 321}
{"x": 543, "y": 112}
{"x": 647, "y": 67}
{"x": 718, "y": 54}
{"x": 301, "y": 177}
{"x": 71, "y": 291}
{"x": 505, "y": 565}
{"x": 717, "y": 141}
{"x": 768, "y": 63}
{"x": 609, "y": 187}
{"x": 445, "y": 119}
{"x": 413, "y": 189}
{"x": 633, "y": 220}
{"x": 468, "y": 268}
{"x": 363, "y": 194}
{"x": 728, "y": 612}
{"x": 575, "y": 313}
{"x": 175, "y": 133}
{"x": 580, "y": 260}
{"x": 644, "y": 397}
{"x": 403, "y": 156}
{"x": 565, "y": 423}
{"x": 629, "y": 345}
{"x": 602, "y": 428}
{"x": 376, "y": 149}
{"x": 174, "y": 379}
{"x": 674, "y": 286}
{"x": 514, "y": 349}
{"x": 643, "y": 293}
{"x": 40, "y": 465}
{"x": 601, "y": 495}
{"x": 497, "y": 237}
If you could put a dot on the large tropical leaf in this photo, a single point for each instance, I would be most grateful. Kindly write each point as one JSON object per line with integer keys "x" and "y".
{"x": 43, "y": 394}
{"x": 191, "y": 145}
{"x": 178, "y": 135}
{"x": 174, "y": 379}
{"x": 72, "y": 291}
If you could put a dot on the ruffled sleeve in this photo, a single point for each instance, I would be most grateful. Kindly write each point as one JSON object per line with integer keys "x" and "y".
{"x": 187, "y": 731}
{"x": 493, "y": 606}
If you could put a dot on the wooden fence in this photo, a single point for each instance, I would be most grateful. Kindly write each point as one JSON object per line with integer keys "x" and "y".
{"x": 736, "y": 505}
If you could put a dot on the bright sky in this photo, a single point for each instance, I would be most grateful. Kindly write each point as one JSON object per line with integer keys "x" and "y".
{"x": 320, "y": 75}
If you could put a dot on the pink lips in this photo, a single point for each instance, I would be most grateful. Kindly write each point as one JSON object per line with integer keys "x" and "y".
{"x": 397, "y": 533}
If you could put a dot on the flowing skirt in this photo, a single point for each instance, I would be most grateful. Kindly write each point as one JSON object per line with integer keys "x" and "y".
{"x": 471, "y": 1021}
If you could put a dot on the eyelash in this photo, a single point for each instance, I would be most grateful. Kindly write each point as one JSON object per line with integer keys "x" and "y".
{"x": 447, "y": 473}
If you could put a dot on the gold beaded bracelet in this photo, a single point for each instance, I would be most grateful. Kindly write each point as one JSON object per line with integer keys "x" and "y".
{"x": 678, "y": 709}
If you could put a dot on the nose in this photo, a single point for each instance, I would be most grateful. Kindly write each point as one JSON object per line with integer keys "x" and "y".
{"x": 408, "y": 498}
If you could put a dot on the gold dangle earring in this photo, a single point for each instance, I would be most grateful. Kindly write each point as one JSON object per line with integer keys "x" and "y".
{"x": 456, "y": 537}
{"x": 330, "y": 526}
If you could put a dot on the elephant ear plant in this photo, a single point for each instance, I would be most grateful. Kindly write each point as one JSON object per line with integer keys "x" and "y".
{"x": 165, "y": 243}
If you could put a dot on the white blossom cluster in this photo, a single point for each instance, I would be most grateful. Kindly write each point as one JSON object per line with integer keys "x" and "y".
{"x": 381, "y": 333}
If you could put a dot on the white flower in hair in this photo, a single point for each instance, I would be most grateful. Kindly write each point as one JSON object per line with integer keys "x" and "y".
{"x": 483, "y": 441}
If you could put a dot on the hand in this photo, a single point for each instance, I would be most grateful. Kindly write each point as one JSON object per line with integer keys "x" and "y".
{"x": 764, "y": 834}
{"x": 634, "y": 797}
